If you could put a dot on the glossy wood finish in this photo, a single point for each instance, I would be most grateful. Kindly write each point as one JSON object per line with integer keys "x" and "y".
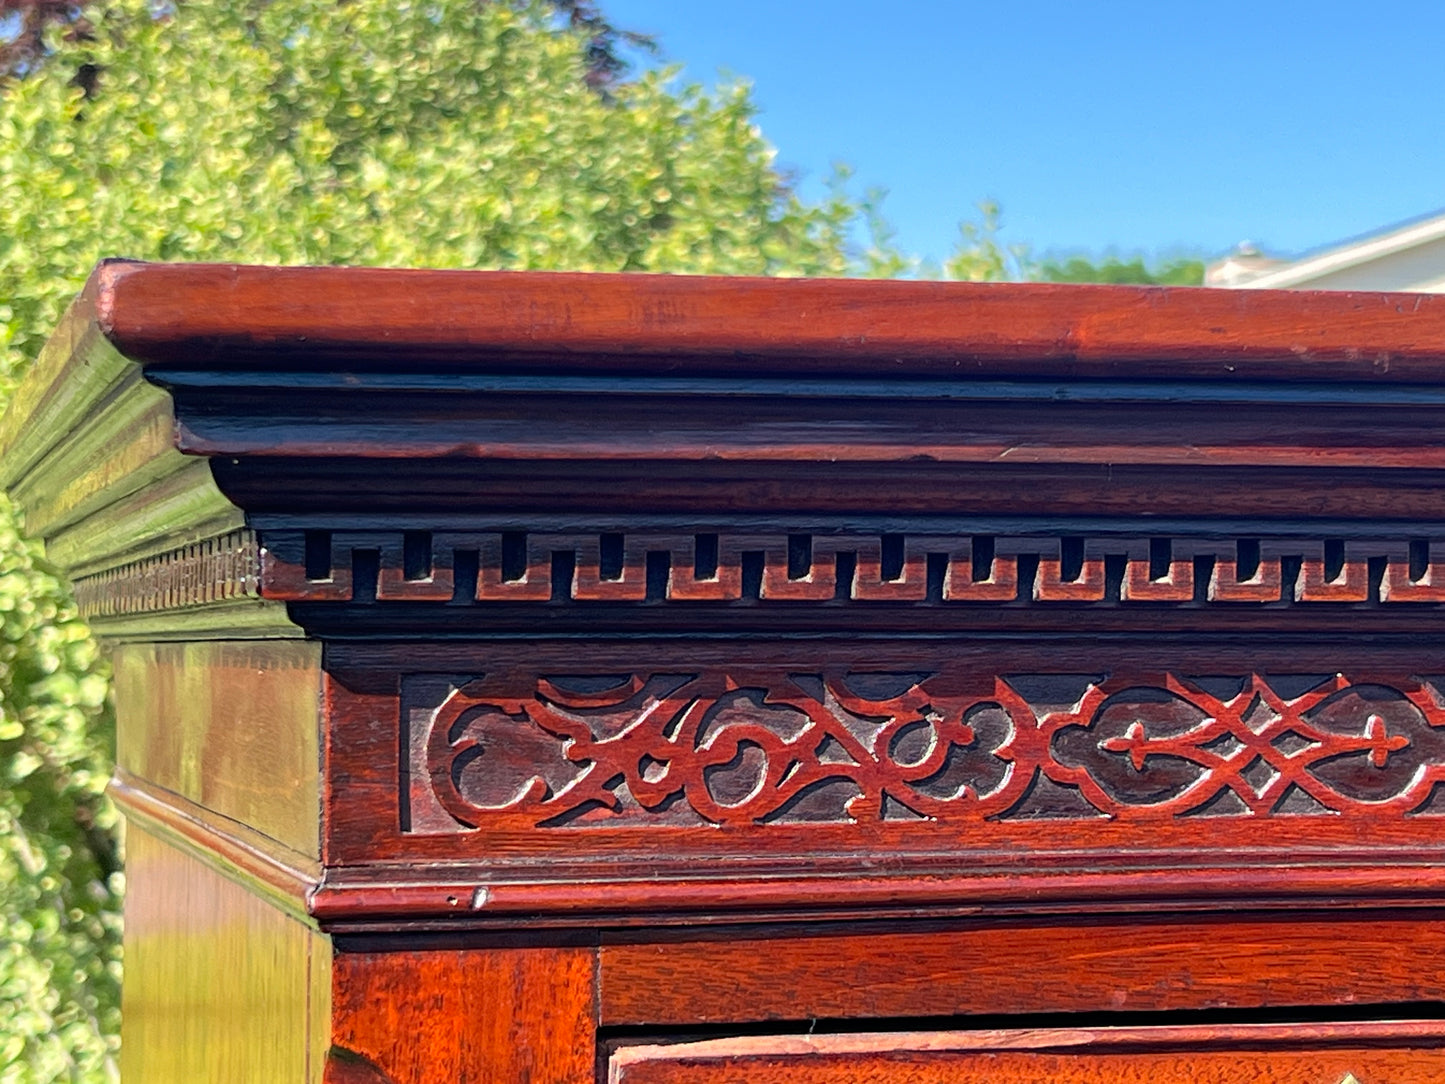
{"x": 417, "y": 393}
{"x": 286, "y": 316}
{"x": 1404, "y": 1053}
{"x": 1122, "y": 964}
{"x": 220, "y": 986}
{"x": 965, "y": 856}
{"x": 501, "y": 1014}
{"x": 616, "y": 664}
{"x": 231, "y": 727}
{"x": 287, "y": 878}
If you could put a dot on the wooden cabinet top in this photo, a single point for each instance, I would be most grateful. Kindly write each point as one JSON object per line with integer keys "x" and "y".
{"x": 1053, "y": 430}
{"x": 871, "y": 594}
{"x": 217, "y": 317}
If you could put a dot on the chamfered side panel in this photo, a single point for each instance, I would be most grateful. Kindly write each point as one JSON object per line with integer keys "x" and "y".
{"x": 232, "y": 726}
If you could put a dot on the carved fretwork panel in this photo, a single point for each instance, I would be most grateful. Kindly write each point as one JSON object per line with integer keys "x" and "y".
{"x": 761, "y": 748}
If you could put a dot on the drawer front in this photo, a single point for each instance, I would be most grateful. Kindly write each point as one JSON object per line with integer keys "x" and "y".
{"x": 1388, "y": 1053}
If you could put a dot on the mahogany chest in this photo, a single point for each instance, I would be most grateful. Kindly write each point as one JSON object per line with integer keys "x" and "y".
{"x": 562, "y": 678}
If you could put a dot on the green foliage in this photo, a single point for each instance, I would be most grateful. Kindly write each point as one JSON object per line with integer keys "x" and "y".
{"x": 978, "y": 255}
{"x": 450, "y": 133}
{"x": 59, "y": 885}
{"x": 1184, "y": 271}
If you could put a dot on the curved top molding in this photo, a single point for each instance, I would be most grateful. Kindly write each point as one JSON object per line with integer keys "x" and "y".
{"x": 461, "y": 321}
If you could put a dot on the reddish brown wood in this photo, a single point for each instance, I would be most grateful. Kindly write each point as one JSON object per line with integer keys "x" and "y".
{"x": 1164, "y": 964}
{"x": 729, "y": 658}
{"x": 513, "y": 1014}
{"x": 639, "y": 322}
{"x": 849, "y": 568}
{"x": 347, "y": 1067}
{"x": 1402, "y": 1053}
{"x": 1077, "y": 843}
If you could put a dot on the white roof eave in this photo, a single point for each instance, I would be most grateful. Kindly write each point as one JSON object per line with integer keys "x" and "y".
{"x": 1351, "y": 255}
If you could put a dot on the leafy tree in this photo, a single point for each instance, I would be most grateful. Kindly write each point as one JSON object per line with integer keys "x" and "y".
{"x": 978, "y": 256}
{"x": 1181, "y": 271}
{"x": 59, "y": 885}
{"x": 454, "y": 133}
{"x": 26, "y": 26}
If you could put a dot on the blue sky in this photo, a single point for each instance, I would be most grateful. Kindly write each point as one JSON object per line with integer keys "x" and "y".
{"x": 1147, "y": 126}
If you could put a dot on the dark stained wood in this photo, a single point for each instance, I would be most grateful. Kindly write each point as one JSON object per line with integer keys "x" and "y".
{"x": 805, "y": 492}
{"x": 611, "y": 660}
{"x": 1082, "y": 842}
{"x": 346, "y": 1067}
{"x": 1400, "y": 1053}
{"x": 710, "y": 422}
{"x": 220, "y": 986}
{"x": 418, "y": 393}
{"x": 519, "y": 1014}
{"x": 1133, "y": 964}
{"x": 842, "y": 567}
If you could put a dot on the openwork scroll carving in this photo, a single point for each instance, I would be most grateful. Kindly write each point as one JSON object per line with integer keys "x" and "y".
{"x": 758, "y": 746}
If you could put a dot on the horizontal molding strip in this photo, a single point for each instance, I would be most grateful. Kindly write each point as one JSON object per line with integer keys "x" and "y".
{"x": 235, "y": 850}
{"x": 651, "y": 566}
{"x": 362, "y": 899}
{"x": 221, "y": 569}
{"x": 516, "y": 566}
{"x": 1412, "y": 396}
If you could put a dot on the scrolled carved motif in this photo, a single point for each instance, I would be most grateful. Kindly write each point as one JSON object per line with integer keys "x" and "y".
{"x": 757, "y": 746}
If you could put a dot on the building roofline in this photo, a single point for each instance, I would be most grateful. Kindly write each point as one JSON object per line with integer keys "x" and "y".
{"x": 1352, "y": 253}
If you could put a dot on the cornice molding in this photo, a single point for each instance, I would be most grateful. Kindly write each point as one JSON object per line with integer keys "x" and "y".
{"x": 179, "y": 407}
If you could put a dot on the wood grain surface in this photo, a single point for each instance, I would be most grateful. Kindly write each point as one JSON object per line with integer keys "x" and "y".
{"x": 504, "y": 857}
{"x": 375, "y": 392}
{"x": 231, "y": 726}
{"x": 439, "y": 1017}
{"x": 274, "y": 872}
{"x": 1124, "y": 964}
{"x": 279, "y": 316}
{"x": 1376, "y": 1053}
{"x": 220, "y": 986}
